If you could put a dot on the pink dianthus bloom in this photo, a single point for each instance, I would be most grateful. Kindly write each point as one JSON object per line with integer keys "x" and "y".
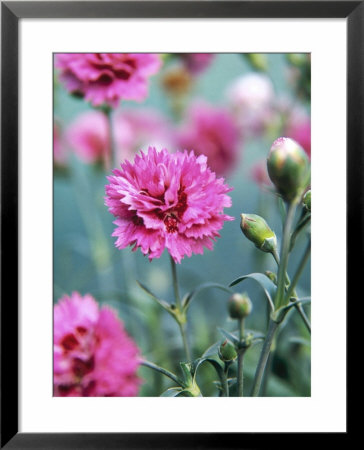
{"x": 93, "y": 355}
{"x": 88, "y": 136}
{"x": 165, "y": 200}
{"x": 197, "y": 62}
{"x": 211, "y": 131}
{"x": 107, "y": 78}
{"x": 298, "y": 127}
{"x": 135, "y": 128}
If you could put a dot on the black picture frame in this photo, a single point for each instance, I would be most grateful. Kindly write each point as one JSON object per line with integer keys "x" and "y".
{"x": 11, "y": 12}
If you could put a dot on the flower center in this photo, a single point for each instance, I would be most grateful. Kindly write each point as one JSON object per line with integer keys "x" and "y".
{"x": 175, "y": 214}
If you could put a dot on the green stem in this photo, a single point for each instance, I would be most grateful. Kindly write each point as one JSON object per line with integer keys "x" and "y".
{"x": 111, "y": 157}
{"x": 299, "y": 271}
{"x": 301, "y": 225}
{"x": 305, "y": 319}
{"x": 224, "y": 380}
{"x": 293, "y": 293}
{"x": 241, "y": 359}
{"x": 165, "y": 372}
{"x": 181, "y": 317}
{"x": 175, "y": 283}
{"x": 263, "y": 358}
{"x": 182, "y": 328}
{"x": 284, "y": 254}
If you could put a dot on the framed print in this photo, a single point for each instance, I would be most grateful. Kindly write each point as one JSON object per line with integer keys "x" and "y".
{"x": 156, "y": 221}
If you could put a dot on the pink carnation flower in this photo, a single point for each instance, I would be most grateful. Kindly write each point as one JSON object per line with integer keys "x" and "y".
{"x": 88, "y": 136}
{"x": 299, "y": 128}
{"x": 211, "y": 131}
{"x": 197, "y": 62}
{"x": 165, "y": 200}
{"x": 107, "y": 78}
{"x": 134, "y": 129}
{"x": 93, "y": 355}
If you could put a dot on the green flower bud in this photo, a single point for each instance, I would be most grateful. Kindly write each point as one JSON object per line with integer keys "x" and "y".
{"x": 257, "y": 230}
{"x": 271, "y": 275}
{"x": 240, "y": 306}
{"x": 227, "y": 351}
{"x": 288, "y": 167}
{"x": 258, "y": 61}
{"x": 307, "y": 200}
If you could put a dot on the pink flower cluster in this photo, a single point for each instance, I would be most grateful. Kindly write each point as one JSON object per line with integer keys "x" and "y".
{"x": 107, "y": 78}
{"x": 164, "y": 200}
{"x": 211, "y": 131}
{"x": 89, "y": 135}
{"x": 93, "y": 355}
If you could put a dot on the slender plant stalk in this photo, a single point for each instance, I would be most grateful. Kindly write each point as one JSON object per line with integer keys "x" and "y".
{"x": 299, "y": 271}
{"x": 182, "y": 325}
{"x": 301, "y": 225}
{"x": 263, "y": 358}
{"x": 110, "y": 158}
{"x": 175, "y": 283}
{"x": 284, "y": 254}
{"x": 165, "y": 372}
{"x": 224, "y": 380}
{"x": 293, "y": 293}
{"x": 241, "y": 360}
{"x": 279, "y": 299}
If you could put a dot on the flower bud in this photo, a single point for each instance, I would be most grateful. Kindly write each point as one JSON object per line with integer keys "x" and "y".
{"x": 271, "y": 275}
{"x": 288, "y": 167}
{"x": 258, "y": 61}
{"x": 227, "y": 351}
{"x": 240, "y": 306}
{"x": 307, "y": 200}
{"x": 256, "y": 229}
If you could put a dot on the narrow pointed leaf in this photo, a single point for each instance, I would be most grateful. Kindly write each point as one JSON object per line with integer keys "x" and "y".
{"x": 188, "y": 297}
{"x": 266, "y": 284}
{"x": 212, "y": 350}
{"x": 213, "y": 362}
{"x": 171, "y": 392}
{"x": 163, "y": 304}
{"x": 279, "y": 315}
{"x": 229, "y": 336}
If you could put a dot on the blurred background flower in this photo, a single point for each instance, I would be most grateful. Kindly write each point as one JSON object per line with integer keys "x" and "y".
{"x": 211, "y": 131}
{"x": 228, "y": 107}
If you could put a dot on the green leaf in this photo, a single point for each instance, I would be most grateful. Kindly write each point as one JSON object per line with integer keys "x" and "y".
{"x": 213, "y": 362}
{"x": 171, "y": 392}
{"x": 189, "y": 296}
{"x": 163, "y": 304}
{"x": 213, "y": 350}
{"x": 267, "y": 285}
{"x": 229, "y": 336}
{"x": 279, "y": 315}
